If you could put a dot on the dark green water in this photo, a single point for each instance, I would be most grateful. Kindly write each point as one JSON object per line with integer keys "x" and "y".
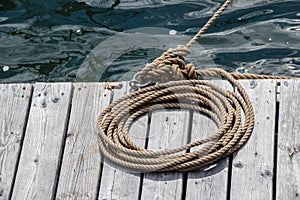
{"x": 64, "y": 40}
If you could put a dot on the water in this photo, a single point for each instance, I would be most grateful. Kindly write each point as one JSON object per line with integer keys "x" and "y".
{"x": 89, "y": 40}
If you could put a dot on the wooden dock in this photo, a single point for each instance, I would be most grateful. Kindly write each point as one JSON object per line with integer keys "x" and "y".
{"x": 49, "y": 149}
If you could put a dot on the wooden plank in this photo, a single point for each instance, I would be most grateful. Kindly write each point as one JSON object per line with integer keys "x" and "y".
{"x": 209, "y": 182}
{"x": 14, "y": 106}
{"x": 288, "y": 165}
{"x": 36, "y": 175}
{"x": 168, "y": 129}
{"x": 81, "y": 164}
{"x": 118, "y": 183}
{"x": 252, "y": 169}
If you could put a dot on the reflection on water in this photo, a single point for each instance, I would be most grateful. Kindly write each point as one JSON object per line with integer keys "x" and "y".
{"x": 55, "y": 40}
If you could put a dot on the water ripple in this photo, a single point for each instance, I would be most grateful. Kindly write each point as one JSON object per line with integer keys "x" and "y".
{"x": 52, "y": 40}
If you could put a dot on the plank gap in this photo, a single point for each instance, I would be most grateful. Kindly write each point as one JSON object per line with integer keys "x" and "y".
{"x": 274, "y": 181}
{"x": 148, "y": 129}
{"x": 100, "y": 177}
{"x": 141, "y": 186}
{"x": 63, "y": 143}
{"x": 230, "y": 163}
{"x": 142, "y": 176}
{"x": 278, "y": 91}
{"x": 229, "y": 175}
{"x": 184, "y": 185}
{"x": 190, "y": 127}
{"x": 189, "y": 139}
{"x": 21, "y": 142}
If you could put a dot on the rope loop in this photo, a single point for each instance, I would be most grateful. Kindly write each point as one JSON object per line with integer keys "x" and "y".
{"x": 225, "y": 108}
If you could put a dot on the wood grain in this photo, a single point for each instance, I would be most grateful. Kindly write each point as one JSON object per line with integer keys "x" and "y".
{"x": 56, "y": 130}
{"x": 168, "y": 129}
{"x": 39, "y": 161}
{"x": 252, "y": 170}
{"x": 209, "y": 182}
{"x": 119, "y": 183}
{"x": 288, "y": 165}
{"x": 14, "y": 106}
{"x": 81, "y": 163}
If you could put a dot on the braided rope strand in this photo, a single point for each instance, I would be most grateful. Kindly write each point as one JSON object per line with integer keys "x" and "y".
{"x": 224, "y": 107}
{"x": 208, "y": 23}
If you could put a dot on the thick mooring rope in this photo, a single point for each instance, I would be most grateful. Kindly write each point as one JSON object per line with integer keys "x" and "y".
{"x": 225, "y": 108}
{"x": 179, "y": 88}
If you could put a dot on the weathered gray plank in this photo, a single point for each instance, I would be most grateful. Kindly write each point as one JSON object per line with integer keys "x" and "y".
{"x": 209, "y": 182}
{"x": 288, "y": 165}
{"x": 168, "y": 129}
{"x": 14, "y": 105}
{"x": 81, "y": 164}
{"x": 252, "y": 169}
{"x": 118, "y": 183}
{"x": 36, "y": 175}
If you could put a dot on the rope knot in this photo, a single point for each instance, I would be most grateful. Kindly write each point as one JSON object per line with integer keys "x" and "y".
{"x": 169, "y": 66}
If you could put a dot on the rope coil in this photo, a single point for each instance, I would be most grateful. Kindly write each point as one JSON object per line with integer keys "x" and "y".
{"x": 179, "y": 88}
{"x": 225, "y": 108}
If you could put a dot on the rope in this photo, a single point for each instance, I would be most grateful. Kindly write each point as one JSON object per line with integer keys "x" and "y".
{"x": 225, "y": 108}
{"x": 208, "y": 23}
{"x": 179, "y": 88}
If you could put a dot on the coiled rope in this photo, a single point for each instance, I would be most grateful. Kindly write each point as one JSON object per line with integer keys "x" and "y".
{"x": 179, "y": 88}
